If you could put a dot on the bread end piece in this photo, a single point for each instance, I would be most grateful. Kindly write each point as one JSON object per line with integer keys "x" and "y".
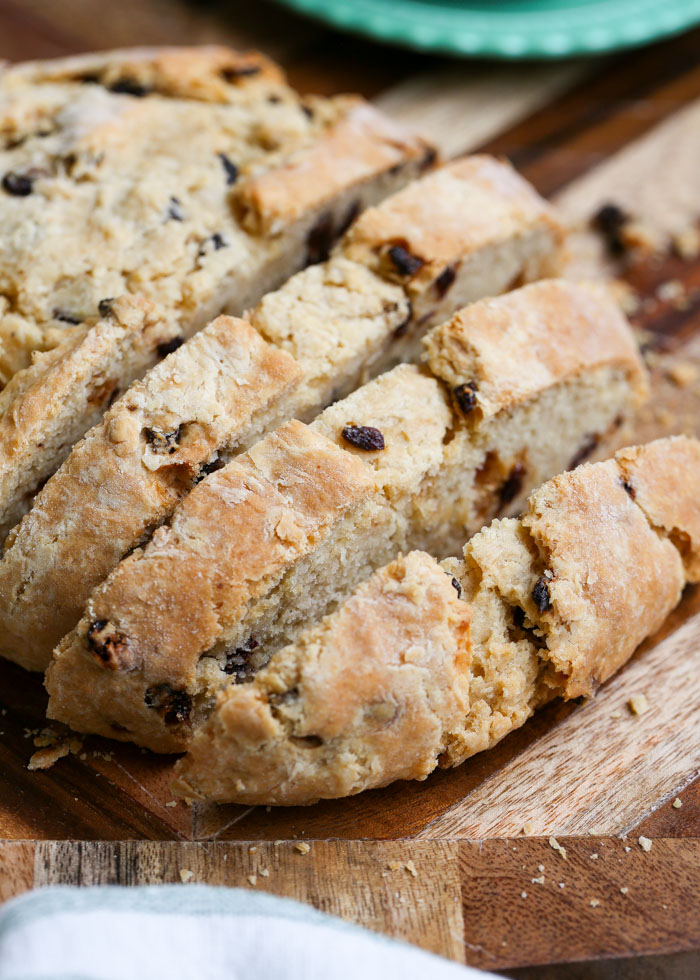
{"x": 656, "y": 477}
{"x": 361, "y": 700}
{"x": 48, "y": 406}
{"x": 510, "y": 347}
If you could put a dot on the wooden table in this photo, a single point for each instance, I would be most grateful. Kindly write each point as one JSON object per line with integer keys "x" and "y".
{"x": 624, "y": 129}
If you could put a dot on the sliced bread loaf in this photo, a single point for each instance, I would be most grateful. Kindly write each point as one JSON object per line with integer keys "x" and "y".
{"x": 325, "y": 330}
{"x": 193, "y": 608}
{"x": 418, "y": 669}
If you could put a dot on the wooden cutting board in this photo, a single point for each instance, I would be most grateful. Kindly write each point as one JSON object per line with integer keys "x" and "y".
{"x": 624, "y": 130}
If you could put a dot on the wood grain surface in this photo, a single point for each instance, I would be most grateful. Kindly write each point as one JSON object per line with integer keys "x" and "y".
{"x": 625, "y": 129}
{"x": 493, "y": 904}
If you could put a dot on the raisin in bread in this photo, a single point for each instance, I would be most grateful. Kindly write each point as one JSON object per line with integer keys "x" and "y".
{"x": 443, "y": 666}
{"x": 340, "y": 321}
{"x": 427, "y": 452}
{"x": 195, "y": 176}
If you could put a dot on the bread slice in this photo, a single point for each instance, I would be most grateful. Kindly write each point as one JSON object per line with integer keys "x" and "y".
{"x": 47, "y": 407}
{"x": 335, "y": 323}
{"x": 127, "y": 475}
{"x": 406, "y": 675}
{"x": 196, "y": 177}
{"x": 424, "y": 446}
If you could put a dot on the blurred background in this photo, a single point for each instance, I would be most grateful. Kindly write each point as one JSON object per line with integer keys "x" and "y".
{"x": 462, "y": 102}
{"x": 321, "y": 42}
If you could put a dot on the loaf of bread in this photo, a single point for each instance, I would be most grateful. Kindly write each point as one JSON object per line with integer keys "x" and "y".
{"x": 418, "y": 668}
{"x": 514, "y": 388}
{"x": 317, "y": 337}
{"x": 192, "y": 176}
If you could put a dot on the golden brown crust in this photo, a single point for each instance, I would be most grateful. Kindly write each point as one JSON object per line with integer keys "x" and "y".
{"x": 128, "y": 474}
{"x": 663, "y": 478}
{"x": 309, "y": 727}
{"x": 239, "y": 531}
{"x": 516, "y": 345}
{"x": 360, "y": 144}
{"x": 610, "y": 578}
{"x": 210, "y": 72}
{"x": 470, "y": 229}
{"x": 462, "y": 208}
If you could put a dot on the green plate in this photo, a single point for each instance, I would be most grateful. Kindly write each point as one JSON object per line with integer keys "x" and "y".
{"x": 508, "y": 28}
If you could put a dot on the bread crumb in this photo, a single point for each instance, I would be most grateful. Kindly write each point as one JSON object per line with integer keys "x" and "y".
{"x": 640, "y": 235}
{"x": 46, "y": 738}
{"x": 664, "y": 417}
{"x": 252, "y": 849}
{"x": 561, "y": 884}
{"x": 523, "y": 894}
{"x": 626, "y": 296}
{"x": 527, "y": 827}
{"x": 594, "y": 903}
{"x": 556, "y": 846}
{"x": 302, "y": 847}
{"x": 677, "y": 804}
{"x": 628, "y": 849}
{"x": 594, "y": 857}
{"x": 171, "y": 803}
{"x": 624, "y": 890}
{"x": 186, "y": 875}
{"x": 411, "y": 868}
{"x": 682, "y": 373}
{"x": 264, "y": 873}
{"x": 538, "y": 881}
{"x": 670, "y": 290}
{"x": 686, "y": 243}
{"x": 52, "y": 746}
{"x": 540, "y": 867}
{"x": 638, "y": 704}
{"x": 45, "y": 758}
{"x": 253, "y": 879}
{"x": 616, "y": 714}
{"x": 645, "y": 843}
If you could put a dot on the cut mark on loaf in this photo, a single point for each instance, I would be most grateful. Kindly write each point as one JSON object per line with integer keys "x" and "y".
{"x": 405, "y": 634}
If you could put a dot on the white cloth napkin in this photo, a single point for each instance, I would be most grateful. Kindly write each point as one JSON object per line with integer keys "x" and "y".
{"x": 196, "y": 932}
